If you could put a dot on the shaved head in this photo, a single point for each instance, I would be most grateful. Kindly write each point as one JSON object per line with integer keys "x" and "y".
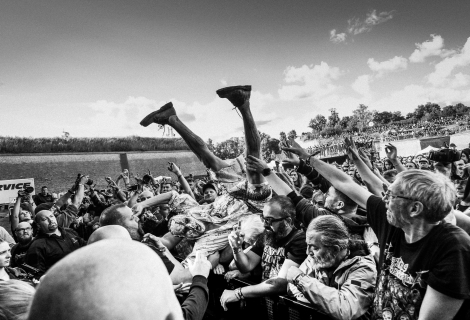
{"x": 109, "y": 232}
{"x": 111, "y": 279}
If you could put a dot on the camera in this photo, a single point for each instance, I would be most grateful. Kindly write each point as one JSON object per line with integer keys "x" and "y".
{"x": 444, "y": 155}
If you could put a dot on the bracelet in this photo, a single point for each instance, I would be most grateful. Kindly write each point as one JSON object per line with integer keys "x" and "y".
{"x": 240, "y": 294}
{"x": 308, "y": 159}
{"x": 236, "y": 250}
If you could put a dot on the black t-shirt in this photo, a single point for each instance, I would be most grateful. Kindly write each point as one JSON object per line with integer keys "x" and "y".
{"x": 18, "y": 254}
{"x": 441, "y": 259}
{"x": 292, "y": 247}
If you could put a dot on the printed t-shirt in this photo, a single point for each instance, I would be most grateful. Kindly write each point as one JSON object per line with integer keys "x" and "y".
{"x": 441, "y": 259}
{"x": 18, "y": 254}
{"x": 272, "y": 258}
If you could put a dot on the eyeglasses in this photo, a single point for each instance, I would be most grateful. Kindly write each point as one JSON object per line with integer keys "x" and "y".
{"x": 388, "y": 195}
{"x": 270, "y": 220}
{"x": 22, "y": 229}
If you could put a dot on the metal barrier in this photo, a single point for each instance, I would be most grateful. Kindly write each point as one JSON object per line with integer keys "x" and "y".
{"x": 273, "y": 308}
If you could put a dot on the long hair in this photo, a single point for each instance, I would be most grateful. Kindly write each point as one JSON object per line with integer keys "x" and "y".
{"x": 15, "y": 299}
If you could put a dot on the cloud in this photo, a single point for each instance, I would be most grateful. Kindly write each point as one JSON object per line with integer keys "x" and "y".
{"x": 430, "y": 48}
{"x": 444, "y": 68}
{"x": 186, "y": 117}
{"x": 391, "y": 65}
{"x": 337, "y": 37}
{"x": 362, "y": 85}
{"x": 358, "y": 26}
{"x": 314, "y": 81}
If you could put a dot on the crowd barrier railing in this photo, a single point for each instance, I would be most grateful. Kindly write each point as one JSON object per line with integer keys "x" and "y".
{"x": 272, "y": 308}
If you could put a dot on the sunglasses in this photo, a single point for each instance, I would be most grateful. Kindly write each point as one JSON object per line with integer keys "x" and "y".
{"x": 270, "y": 221}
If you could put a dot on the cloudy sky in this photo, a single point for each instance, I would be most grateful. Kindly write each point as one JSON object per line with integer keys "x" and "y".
{"x": 96, "y": 67}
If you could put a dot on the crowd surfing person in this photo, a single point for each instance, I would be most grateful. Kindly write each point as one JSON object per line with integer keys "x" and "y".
{"x": 363, "y": 239}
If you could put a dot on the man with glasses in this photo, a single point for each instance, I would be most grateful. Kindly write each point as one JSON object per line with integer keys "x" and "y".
{"x": 278, "y": 248}
{"x": 24, "y": 235}
{"x": 424, "y": 260}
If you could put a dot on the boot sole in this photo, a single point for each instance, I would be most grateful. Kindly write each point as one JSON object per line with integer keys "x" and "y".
{"x": 149, "y": 119}
{"x": 224, "y": 91}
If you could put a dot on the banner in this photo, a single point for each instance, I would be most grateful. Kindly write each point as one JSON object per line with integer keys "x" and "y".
{"x": 436, "y": 142}
{"x": 9, "y": 188}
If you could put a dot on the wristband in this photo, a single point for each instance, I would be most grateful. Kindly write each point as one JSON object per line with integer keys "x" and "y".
{"x": 240, "y": 294}
{"x": 308, "y": 159}
{"x": 296, "y": 279}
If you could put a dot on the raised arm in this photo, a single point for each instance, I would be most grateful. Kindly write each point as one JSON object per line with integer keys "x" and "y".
{"x": 337, "y": 178}
{"x": 181, "y": 179}
{"x": 258, "y": 165}
{"x": 373, "y": 183}
{"x": 391, "y": 152}
{"x": 80, "y": 192}
{"x": 245, "y": 261}
{"x": 15, "y": 215}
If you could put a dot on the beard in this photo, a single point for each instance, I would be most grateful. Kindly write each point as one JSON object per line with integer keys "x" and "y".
{"x": 396, "y": 219}
{"x": 271, "y": 238}
{"x": 325, "y": 261}
{"x": 136, "y": 234}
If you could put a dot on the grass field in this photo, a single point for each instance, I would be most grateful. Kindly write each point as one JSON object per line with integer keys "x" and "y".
{"x": 58, "y": 171}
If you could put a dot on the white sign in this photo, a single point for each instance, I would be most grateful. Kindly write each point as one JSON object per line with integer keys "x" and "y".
{"x": 9, "y": 188}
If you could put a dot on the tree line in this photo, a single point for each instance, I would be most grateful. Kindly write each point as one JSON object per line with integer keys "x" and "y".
{"x": 363, "y": 118}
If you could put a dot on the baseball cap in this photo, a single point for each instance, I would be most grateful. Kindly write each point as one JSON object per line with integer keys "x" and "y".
{"x": 211, "y": 185}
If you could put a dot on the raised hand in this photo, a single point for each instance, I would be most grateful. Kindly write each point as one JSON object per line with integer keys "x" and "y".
{"x": 391, "y": 151}
{"x": 255, "y": 164}
{"x": 201, "y": 266}
{"x": 236, "y": 238}
{"x": 302, "y": 153}
{"x": 365, "y": 156}
{"x": 353, "y": 153}
{"x": 172, "y": 167}
{"x": 294, "y": 160}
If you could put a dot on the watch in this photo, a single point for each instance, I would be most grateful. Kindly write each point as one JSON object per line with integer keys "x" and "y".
{"x": 297, "y": 278}
{"x": 266, "y": 172}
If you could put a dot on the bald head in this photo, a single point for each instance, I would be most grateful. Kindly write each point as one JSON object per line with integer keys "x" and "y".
{"x": 109, "y": 232}
{"x": 89, "y": 282}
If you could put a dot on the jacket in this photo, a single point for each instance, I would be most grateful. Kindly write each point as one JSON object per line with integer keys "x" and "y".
{"x": 349, "y": 292}
{"x": 195, "y": 305}
{"x": 46, "y": 249}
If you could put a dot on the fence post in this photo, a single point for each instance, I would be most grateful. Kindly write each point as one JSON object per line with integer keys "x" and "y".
{"x": 124, "y": 161}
